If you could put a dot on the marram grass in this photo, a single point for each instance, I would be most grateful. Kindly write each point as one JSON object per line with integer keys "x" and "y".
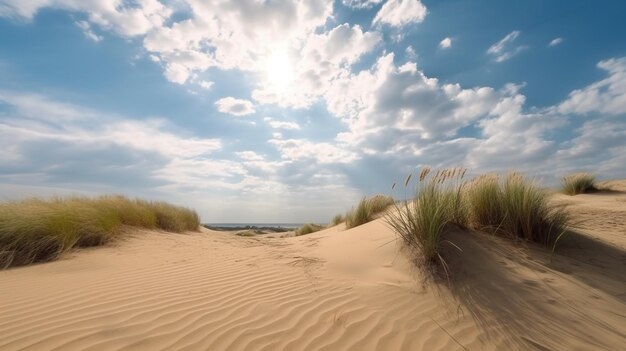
{"x": 515, "y": 206}
{"x": 338, "y": 219}
{"x": 367, "y": 209}
{"x": 38, "y": 230}
{"x": 578, "y": 183}
{"x": 422, "y": 220}
{"x": 308, "y": 228}
{"x": 511, "y": 205}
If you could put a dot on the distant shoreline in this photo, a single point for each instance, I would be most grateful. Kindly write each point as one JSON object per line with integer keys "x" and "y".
{"x": 271, "y": 227}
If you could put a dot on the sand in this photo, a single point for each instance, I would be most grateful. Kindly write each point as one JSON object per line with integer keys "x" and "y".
{"x": 332, "y": 290}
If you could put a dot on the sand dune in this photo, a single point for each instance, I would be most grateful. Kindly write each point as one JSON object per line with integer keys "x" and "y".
{"x": 333, "y": 290}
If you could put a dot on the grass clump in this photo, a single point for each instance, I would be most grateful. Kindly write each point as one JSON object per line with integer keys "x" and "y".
{"x": 484, "y": 202}
{"x": 173, "y": 218}
{"x": 436, "y": 206}
{"x": 512, "y": 205}
{"x": 308, "y": 228}
{"x": 338, "y": 219}
{"x": 515, "y": 206}
{"x": 367, "y": 209}
{"x": 578, "y": 183}
{"x": 40, "y": 230}
{"x": 247, "y": 233}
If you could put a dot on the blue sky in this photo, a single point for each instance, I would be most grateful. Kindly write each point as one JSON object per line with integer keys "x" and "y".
{"x": 266, "y": 111}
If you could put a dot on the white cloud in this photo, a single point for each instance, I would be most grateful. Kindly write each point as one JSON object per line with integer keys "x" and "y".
{"x": 361, "y": 4}
{"x": 506, "y": 129}
{"x": 258, "y": 29}
{"x": 39, "y": 107}
{"x": 206, "y": 37}
{"x": 398, "y": 13}
{"x": 149, "y": 135}
{"x": 392, "y": 113}
{"x": 398, "y": 116}
{"x": 501, "y": 45}
{"x": 303, "y": 150}
{"x": 599, "y": 147}
{"x": 177, "y": 73}
{"x": 89, "y": 33}
{"x": 342, "y": 44}
{"x": 243, "y": 35}
{"x": 323, "y": 58}
{"x": 446, "y": 43}
{"x": 607, "y": 96}
{"x": 126, "y": 18}
{"x": 505, "y": 49}
{"x": 410, "y": 53}
{"x": 249, "y": 156}
{"x": 397, "y": 113}
{"x": 97, "y": 150}
{"x": 404, "y": 103}
{"x": 281, "y": 124}
{"x": 87, "y": 150}
{"x": 205, "y": 84}
{"x": 597, "y": 139}
{"x": 236, "y": 107}
{"x": 555, "y": 42}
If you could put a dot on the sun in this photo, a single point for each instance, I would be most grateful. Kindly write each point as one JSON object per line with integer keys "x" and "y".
{"x": 279, "y": 70}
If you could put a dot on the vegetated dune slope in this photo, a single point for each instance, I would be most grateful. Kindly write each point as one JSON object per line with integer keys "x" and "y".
{"x": 333, "y": 290}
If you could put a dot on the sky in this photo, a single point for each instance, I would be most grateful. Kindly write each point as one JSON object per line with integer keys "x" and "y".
{"x": 291, "y": 111}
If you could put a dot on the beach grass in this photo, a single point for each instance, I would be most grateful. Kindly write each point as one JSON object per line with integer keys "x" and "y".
{"x": 422, "y": 220}
{"x": 513, "y": 206}
{"x": 367, "y": 209}
{"x": 308, "y": 228}
{"x": 338, "y": 219}
{"x": 578, "y": 183}
{"x": 37, "y": 230}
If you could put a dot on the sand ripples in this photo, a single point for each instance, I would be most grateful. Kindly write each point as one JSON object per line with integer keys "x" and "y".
{"x": 333, "y": 290}
{"x": 204, "y": 291}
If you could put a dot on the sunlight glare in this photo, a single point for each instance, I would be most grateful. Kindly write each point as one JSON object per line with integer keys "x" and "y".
{"x": 279, "y": 71}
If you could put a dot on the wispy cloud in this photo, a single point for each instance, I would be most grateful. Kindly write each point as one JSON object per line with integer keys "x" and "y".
{"x": 607, "y": 96}
{"x": 505, "y": 48}
{"x": 361, "y": 4}
{"x": 276, "y": 124}
{"x": 410, "y": 53}
{"x": 446, "y": 43}
{"x": 555, "y": 42}
{"x": 89, "y": 33}
{"x": 398, "y": 13}
{"x": 205, "y": 84}
{"x": 235, "y": 107}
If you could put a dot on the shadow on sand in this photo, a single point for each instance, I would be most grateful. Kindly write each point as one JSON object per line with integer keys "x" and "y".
{"x": 529, "y": 298}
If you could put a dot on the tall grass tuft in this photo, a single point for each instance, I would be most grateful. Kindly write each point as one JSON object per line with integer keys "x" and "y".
{"x": 512, "y": 205}
{"x": 437, "y": 205}
{"x": 578, "y": 183}
{"x": 40, "y": 230}
{"x": 515, "y": 206}
{"x": 358, "y": 215}
{"x": 308, "y": 228}
{"x": 367, "y": 209}
{"x": 484, "y": 202}
{"x": 338, "y": 219}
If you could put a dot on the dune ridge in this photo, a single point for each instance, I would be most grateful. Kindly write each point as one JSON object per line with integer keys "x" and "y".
{"x": 336, "y": 289}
